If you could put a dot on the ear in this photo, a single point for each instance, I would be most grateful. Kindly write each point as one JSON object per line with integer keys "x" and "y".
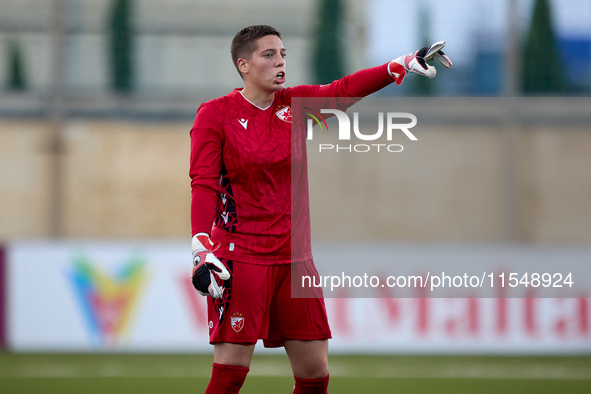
{"x": 242, "y": 65}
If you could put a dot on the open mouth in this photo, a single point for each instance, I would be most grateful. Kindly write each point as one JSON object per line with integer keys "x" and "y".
{"x": 280, "y": 77}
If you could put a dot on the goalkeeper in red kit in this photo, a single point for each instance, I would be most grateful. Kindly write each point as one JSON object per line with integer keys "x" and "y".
{"x": 241, "y": 210}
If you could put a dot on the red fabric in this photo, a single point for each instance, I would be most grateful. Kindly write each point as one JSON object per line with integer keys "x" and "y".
{"x": 207, "y": 243}
{"x": 240, "y": 168}
{"x": 226, "y": 379}
{"x": 257, "y": 304}
{"x": 311, "y": 386}
{"x": 397, "y": 71}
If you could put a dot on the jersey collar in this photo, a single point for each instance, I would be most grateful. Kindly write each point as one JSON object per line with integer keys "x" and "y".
{"x": 262, "y": 109}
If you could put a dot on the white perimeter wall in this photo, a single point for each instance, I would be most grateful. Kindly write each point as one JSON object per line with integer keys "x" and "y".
{"x": 159, "y": 310}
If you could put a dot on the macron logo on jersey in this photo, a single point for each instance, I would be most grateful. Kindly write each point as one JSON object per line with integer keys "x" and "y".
{"x": 243, "y": 122}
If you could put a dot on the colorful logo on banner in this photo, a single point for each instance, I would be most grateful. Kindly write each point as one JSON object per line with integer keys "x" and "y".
{"x": 315, "y": 116}
{"x": 108, "y": 301}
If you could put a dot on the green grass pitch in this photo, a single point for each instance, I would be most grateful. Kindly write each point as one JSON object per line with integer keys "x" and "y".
{"x": 139, "y": 373}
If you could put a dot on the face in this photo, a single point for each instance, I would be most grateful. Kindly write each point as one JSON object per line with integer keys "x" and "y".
{"x": 266, "y": 67}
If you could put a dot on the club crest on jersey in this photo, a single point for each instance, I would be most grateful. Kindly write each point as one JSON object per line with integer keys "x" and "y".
{"x": 237, "y": 322}
{"x": 284, "y": 114}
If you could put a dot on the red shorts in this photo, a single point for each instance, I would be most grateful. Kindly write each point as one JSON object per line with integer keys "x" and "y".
{"x": 257, "y": 304}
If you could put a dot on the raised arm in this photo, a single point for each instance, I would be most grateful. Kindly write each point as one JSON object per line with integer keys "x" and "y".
{"x": 365, "y": 82}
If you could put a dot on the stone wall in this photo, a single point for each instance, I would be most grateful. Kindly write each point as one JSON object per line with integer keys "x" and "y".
{"x": 125, "y": 179}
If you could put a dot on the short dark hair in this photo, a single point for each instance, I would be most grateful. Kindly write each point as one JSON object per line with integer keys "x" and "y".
{"x": 244, "y": 43}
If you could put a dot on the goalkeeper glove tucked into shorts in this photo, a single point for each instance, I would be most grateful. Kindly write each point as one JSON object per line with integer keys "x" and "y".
{"x": 416, "y": 62}
{"x": 205, "y": 265}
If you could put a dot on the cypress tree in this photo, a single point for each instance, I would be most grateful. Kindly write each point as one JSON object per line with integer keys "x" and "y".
{"x": 16, "y": 73}
{"x": 542, "y": 71}
{"x": 121, "y": 45}
{"x": 423, "y": 86}
{"x": 328, "y": 52}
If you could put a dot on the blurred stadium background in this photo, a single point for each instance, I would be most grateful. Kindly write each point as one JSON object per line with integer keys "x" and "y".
{"x": 96, "y": 101}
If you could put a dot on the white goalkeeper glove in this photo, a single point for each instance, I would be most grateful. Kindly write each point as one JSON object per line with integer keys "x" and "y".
{"x": 205, "y": 265}
{"x": 416, "y": 62}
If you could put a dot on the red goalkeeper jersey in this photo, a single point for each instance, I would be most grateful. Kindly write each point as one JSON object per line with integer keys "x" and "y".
{"x": 241, "y": 169}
